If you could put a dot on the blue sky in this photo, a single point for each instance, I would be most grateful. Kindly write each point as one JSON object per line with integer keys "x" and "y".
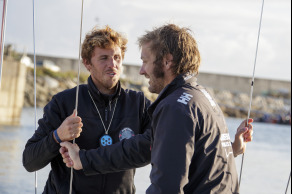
{"x": 226, "y": 30}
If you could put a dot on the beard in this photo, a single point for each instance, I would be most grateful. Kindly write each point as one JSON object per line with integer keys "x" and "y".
{"x": 158, "y": 69}
{"x": 156, "y": 81}
{"x": 156, "y": 85}
{"x": 111, "y": 84}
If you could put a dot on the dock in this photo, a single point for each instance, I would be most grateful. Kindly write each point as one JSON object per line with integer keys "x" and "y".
{"x": 12, "y": 91}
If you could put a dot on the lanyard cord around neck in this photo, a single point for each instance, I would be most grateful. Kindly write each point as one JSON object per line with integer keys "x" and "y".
{"x": 106, "y": 130}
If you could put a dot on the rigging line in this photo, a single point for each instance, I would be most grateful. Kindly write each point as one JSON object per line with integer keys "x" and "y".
{"x": 35, "y": 90}
{"x": 253, "y": 81}
{"x": 3, "y": 29}
{"x": 288, "y": 183}
{"x": 78, "y": 83}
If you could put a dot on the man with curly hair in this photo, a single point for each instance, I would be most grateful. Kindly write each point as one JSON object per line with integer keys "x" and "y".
{"x": 107, "y": 114}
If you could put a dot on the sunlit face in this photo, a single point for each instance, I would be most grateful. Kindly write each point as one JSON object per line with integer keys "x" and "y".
{"x": 149, "y": 70}
{"x": 105, "y": 68}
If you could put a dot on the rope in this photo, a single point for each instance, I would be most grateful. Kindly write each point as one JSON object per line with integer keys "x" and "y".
{"x": 35, "y": 90}
{"x": 78, "y": 83}
{"x": 253, "y": 81}
{"x": 3, "y": 29}
{"x": 288, "y": 183}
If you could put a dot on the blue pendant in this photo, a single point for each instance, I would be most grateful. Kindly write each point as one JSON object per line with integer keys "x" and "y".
{"x": 106, "y": 140}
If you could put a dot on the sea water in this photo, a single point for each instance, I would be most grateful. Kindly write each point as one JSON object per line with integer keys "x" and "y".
{"x": 266, "y": 166}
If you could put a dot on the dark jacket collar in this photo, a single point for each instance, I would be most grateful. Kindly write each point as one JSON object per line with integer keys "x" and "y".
{"x": 178, "y": 82}
{"x": 102, "y": 99}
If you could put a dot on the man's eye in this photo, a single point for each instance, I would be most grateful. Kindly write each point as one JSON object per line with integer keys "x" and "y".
{"x": 117, "y": 57}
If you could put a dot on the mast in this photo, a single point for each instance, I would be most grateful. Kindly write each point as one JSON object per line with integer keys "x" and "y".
{"x": 2, "y": 38}
{"x": 252, "y": 83}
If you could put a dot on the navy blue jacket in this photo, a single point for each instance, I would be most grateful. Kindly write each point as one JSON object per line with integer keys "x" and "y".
{"x": 131, "y": 113}
{"x": 191, "y": 150}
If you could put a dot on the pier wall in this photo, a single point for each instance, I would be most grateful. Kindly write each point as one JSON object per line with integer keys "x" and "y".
{"x": 231, "y": 83}
{"x": 239, "y": 84}
{"x": 243, "y": 84}
{"x": 12, "y": 92}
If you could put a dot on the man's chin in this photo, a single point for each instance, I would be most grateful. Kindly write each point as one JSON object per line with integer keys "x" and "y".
{"x": 113, "y": 81}
{"x": 153, "y": 90}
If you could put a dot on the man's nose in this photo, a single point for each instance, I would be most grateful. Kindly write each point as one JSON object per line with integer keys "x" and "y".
{"x": 112, "y": 63}
{"x": 142, "y": 70}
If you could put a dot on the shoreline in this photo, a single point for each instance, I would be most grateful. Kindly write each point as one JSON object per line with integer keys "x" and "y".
{"x": 267, "y": 109}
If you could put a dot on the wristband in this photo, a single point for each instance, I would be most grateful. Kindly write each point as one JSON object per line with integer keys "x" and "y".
{"x": 57, "y": 137}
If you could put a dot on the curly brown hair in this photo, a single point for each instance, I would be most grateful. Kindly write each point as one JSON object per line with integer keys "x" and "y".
{"x": 171, "y": 39}
{"x": 102, "y": 38}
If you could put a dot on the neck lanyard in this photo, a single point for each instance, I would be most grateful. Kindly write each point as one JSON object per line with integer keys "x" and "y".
{"x": 106, "y": 139}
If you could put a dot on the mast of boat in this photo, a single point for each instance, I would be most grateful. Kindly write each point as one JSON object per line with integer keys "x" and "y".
{"x": 2, "y": 38}
{"x": 77, "y": 90}
{"x": 288, "y": 183}
{"x": 253, "y": 81}
{"x": 35, "y": 91}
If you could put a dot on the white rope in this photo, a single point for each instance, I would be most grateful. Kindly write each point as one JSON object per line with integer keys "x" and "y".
{"x": 288, "y": 183}
{"x": 253, "y": 80}
{"x": 35, "y": 90}
{"x": 3, "y": 30}
{"x": 77, "y": 89}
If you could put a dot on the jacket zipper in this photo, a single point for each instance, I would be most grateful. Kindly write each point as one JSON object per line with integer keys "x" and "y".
{"x": 106, "y": 114}
{"x": 107, "y": 111}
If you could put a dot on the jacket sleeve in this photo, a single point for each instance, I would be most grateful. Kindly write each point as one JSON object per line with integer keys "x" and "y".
{"x": 124, "y": 155}
{"x": 173, "y": 149}
{"x": 41, "y": 148}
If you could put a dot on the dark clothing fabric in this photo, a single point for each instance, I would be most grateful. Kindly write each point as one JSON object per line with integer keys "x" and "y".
{"x": 191, "y": 148}
{"x": 130, "y": 114}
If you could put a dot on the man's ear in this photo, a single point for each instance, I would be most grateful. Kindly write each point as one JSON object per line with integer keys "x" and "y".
{"x": 168, "y": 61}
{"x": 87, "y": 64}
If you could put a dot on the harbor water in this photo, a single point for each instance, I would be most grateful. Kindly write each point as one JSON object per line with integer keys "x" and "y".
{"x": 266, "y": 169}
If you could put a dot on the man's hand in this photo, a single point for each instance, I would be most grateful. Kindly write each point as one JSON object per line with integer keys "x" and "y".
{"x": 242, "y": 137}
{"x": 70, "y": 154}
{"x": 70, "y": 128}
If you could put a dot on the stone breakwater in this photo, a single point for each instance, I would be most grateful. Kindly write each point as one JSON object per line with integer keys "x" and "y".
{"x": 232, "y": 104}
{"x": 237, "y": 105}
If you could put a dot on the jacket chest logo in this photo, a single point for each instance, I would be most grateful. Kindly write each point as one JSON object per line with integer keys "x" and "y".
{"x": 126, "y": 133}
{"x": 185, "y": 98}
{"x": 226, "y": 144}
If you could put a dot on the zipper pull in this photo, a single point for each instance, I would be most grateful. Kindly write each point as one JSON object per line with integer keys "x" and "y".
{"x": 110, "y": 105}
{"x": 106, "y": 112}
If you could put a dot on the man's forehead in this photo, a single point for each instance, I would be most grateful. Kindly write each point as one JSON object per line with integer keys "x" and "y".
{"x": 144, "y": 55}
{"x": 146, "y": 45}
{"x": 108, "y": 51}
{"x": 146, "y": 51}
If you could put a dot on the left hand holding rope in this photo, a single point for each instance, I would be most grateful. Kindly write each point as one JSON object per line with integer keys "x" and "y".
{"x": 71, "y": 128}
{"x": 243, "y": 136}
